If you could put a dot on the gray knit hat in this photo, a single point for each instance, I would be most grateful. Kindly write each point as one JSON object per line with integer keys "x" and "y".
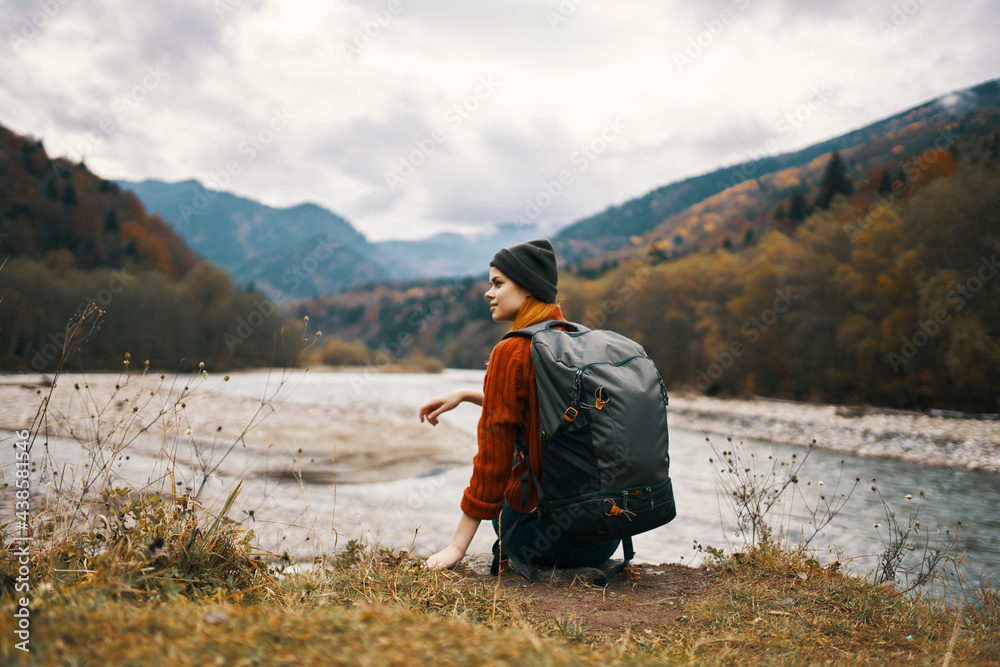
{"x": 531, "y": 265}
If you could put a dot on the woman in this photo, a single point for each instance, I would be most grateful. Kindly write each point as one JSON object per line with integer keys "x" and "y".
{"x": 522, "y": 290}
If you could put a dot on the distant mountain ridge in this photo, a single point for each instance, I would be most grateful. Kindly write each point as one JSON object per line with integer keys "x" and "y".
{"x": 273, "y": 248}
{"x": 614, "y": 227}
{"x": 306, "y": 251}
{"x": 301, "y": 251}
{"x": 449, "y": 255}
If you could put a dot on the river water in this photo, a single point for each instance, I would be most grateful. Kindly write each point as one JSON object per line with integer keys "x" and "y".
{"x": 431, "y": 500}
{"x": 420, "y": 510}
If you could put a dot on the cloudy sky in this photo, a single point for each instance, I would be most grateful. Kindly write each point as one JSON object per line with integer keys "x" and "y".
{"x": 410, "y": 117}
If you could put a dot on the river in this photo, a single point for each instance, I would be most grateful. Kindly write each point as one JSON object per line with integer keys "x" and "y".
{"x": 410, "y": 497}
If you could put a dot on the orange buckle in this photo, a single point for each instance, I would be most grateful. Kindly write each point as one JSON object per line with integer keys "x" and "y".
{"x": 633, "y": 573}
{"x": 570, "y": 413}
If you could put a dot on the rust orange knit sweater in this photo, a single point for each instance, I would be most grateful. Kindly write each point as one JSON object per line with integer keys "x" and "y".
{"x": 510, "y": 403}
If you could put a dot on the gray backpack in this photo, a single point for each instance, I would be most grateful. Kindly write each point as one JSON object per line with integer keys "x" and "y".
{"x": 605, "y": 465}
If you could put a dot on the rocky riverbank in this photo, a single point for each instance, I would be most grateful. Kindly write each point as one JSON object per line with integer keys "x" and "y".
{"x": 947, "y": 441}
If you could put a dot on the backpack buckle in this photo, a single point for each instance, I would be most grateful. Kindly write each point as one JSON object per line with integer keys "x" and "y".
{"x": 570, "y": 413}
{"x": 632, "y": 573}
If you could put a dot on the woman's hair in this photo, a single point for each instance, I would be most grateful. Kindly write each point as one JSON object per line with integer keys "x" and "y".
{"x": 533, "y": 311}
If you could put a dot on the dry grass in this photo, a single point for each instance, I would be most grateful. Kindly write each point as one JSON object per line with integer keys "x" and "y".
{"x": 370, "y": 605}
{"x": 781, "y": 608}
{"x": 206, "y": 633}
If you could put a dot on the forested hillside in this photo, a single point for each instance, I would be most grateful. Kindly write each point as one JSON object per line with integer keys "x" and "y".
{"x": 886, "y": 296}
{"x": 950, "y": 122}
{"x": 301, "y": 251}
{"x": 896, "y": 307}
{"x": 70, "y": 239}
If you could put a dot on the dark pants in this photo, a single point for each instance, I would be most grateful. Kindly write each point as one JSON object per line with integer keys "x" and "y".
{"x": 539, "y": 541}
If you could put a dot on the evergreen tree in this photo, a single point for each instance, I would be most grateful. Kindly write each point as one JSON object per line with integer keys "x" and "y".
{"x": 901, "y": 177}
{"x": 111, "y": 221}
{"x": 798, "y": 207}
{"x": 51, "y": 189}
{"x": 69, "y": 195}
{"x": 885, "y": 185}
{"x": 835, "y": 181}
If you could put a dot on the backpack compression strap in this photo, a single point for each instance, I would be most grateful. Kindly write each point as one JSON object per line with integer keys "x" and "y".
{"x": 521, "y": 447}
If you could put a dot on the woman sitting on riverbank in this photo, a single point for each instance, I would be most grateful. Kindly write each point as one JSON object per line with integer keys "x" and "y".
{"x": 523, "y": 288}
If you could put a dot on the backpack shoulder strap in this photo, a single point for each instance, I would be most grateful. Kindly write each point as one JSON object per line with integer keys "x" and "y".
{"x": 529, "y": 332}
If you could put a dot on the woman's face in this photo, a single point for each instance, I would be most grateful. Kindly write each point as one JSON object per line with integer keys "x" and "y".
{"x": 506, "y": 296}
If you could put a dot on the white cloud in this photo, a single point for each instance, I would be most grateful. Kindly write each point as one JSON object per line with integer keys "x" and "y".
{"x": 560, "y": 81}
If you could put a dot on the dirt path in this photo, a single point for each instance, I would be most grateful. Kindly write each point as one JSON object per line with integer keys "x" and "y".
{"x": 568, "y": 597}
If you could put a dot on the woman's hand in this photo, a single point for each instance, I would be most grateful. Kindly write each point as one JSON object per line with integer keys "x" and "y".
{"x": 442, "y": 560}
{"x": 455, "y": 551}
{"x": 433, "y": 408}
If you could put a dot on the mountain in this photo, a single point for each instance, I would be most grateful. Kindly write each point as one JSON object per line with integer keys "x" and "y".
{"x": 296, "y": 252}
{"x": 452, "y": 255}
{"x": 860, "y": 275}
{"x": 89, "y": 278}
{"x": 307, "y": 251}
{"x": 55, "y": 206}
{"x": 954, "y": 115}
